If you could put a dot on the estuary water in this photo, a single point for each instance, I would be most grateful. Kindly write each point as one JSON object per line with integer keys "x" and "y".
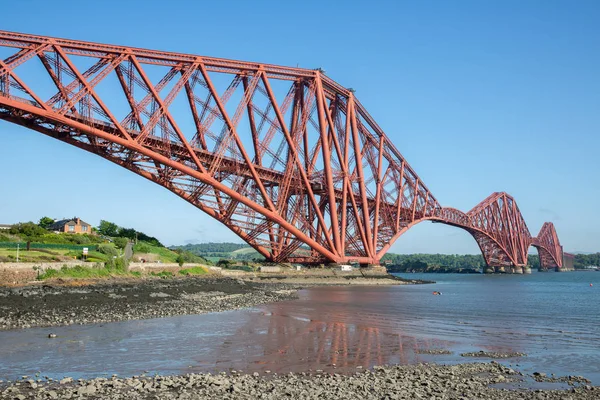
{"x": 552, "y": 317}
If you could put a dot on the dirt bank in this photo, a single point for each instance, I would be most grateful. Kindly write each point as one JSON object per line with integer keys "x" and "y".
{"x": 466, "y": 381}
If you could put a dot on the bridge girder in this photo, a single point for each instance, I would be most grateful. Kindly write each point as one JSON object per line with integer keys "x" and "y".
{"x": 549, "y": 249}
{"x": 287, "y": 158}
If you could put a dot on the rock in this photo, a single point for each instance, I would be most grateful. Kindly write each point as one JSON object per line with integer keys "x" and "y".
{"x": 52, "y": 335}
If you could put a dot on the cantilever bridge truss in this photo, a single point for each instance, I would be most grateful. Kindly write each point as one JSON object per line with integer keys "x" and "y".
{"x": 287, "y": 158}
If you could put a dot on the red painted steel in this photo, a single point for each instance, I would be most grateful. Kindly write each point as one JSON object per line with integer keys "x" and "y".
{"x": 287, "y": 158}
{"x": 549, "y": 248}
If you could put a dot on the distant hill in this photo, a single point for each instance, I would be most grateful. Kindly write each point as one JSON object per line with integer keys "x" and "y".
{"x": 226, "y": 247}
{"x": 216, "y": 251}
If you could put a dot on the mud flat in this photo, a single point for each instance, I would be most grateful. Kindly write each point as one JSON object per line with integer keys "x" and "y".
{"x": 55, "y": 303}
{"x": 465, "y": 381}
{"x": 75, "y": 302}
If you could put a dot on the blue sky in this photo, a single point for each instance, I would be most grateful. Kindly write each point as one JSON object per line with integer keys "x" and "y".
{"x": 479, "y": 96}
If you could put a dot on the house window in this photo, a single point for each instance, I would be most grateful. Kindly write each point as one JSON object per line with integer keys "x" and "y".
{"x": 71, "y": 228}
{"x": 84, "y": 228}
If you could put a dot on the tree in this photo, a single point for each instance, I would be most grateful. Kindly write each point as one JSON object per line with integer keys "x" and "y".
{"x": 29, "y": 230}
{"x": 45, "y": 222}
{"x": 107, "y": 228}
{"x": 127, "y": 232}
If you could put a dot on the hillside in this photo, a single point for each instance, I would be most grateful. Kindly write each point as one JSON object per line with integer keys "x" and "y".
{"x": 218, "y": 251}
{"x": 152, "y": 253}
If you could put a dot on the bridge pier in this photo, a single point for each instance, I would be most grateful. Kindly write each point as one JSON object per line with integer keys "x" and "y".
{"x": 507, "y": 270}
{"x": 563, "y": 269}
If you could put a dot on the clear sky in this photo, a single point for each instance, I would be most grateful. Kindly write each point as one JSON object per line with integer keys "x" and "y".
{"x": 479, "y": 96}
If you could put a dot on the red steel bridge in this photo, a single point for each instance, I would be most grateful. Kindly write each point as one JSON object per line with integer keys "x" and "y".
{"x": 287, "y": 158}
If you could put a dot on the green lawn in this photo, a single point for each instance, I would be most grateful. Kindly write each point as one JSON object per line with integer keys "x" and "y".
{"x": 77, "y": 272}
{"x": 165, "y": 255}
{"x": 10, "y": 255}
{"x": 193, "y": 271}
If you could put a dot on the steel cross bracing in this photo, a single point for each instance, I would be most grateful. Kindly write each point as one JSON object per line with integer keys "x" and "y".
{"x": 287, "y": 158}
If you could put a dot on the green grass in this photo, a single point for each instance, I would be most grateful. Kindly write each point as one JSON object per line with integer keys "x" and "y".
{"x": 162, "y": 274}
{"x": 165, "y": 255}
{"x": 76, "y": 272}
{"x": 193, "y": 271}
{"x": 33, "y": 255}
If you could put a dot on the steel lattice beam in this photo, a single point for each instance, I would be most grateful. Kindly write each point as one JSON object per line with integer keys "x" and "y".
{"x": 287, "y": 158}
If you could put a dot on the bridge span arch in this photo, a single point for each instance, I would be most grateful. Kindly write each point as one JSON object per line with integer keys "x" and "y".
{"x": 287, "y": 158}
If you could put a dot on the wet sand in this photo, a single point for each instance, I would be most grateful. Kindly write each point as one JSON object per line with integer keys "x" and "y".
{"x": 68, "y": 302}
{"x": 75, "y": 302}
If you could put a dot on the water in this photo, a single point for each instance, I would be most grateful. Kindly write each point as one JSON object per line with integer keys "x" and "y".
{"x": 552, "y": 317}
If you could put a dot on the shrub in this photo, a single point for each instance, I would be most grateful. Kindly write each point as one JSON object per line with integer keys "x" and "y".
{"x": 141, "y": 247}
{"x": 118, "y": 265}
{"x": 120, "y": 242}
{"x": 108, "y": 249}
{"x": 162, "y": 274}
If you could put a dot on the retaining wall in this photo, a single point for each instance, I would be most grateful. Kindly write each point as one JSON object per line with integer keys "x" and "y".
{"x": 16, "y": 273}
{"x": 153, "y": 267}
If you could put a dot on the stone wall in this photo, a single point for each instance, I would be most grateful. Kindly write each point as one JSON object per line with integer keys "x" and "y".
{"x": 19, "y": 273}
{"x": 154, "y": 267}
{"x": 16, "y": 273}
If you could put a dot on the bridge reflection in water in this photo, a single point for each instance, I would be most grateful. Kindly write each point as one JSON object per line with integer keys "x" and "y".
{"x": 286, "y": 343}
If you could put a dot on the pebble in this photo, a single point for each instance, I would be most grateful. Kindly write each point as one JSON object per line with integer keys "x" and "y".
{"x": 428, "y": 381}
{"x": 147, "y": 299}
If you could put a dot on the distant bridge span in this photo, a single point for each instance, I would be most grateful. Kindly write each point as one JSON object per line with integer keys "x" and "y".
{"x": 287, "y": 158}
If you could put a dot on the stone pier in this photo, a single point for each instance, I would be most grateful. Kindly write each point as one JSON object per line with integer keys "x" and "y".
{"x": 507, "y": 270}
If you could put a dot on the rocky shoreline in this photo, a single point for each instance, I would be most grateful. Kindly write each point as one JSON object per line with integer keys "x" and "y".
{"x": 68, "y": 302}
{"x": 464, "y": 381}
{"x": 82, "y": 302}
{"x": 57, "y": 303}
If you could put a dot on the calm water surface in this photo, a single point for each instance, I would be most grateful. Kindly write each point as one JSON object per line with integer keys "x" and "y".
{"x": 552, "y": 317}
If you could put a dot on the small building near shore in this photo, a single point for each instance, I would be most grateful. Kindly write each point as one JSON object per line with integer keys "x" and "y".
{"x": 269, "y": 268}
{"x": 5, "y": 227}
{"x": 345, "y": 267}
